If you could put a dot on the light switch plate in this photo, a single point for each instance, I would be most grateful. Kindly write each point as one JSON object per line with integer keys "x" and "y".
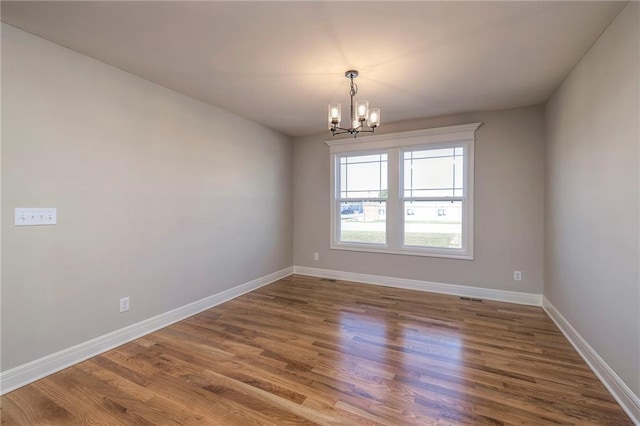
{"x": 29, "y": 216}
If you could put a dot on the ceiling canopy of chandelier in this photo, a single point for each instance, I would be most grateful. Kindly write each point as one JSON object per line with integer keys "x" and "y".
{"x": 360, "y": 113}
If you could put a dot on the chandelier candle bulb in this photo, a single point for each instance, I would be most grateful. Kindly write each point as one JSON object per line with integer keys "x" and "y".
{"x": 335, "y": 115}
{"x": 374, "y": 118}
{"x": 362, "y": 110}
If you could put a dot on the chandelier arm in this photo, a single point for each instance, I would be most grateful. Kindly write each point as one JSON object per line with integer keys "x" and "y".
{"x": 342, "y": 130}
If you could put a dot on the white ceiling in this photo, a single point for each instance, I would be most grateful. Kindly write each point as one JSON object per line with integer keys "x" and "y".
{"x": 281, "y": 63}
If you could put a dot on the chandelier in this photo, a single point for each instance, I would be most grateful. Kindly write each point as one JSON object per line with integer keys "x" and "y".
{"x": 360, "y": 113}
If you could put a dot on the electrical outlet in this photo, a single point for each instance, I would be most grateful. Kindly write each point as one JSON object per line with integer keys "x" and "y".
{"x": 316, "y": 256}
{"x": 124, "y": 304}
{"x": 517, "y": 275}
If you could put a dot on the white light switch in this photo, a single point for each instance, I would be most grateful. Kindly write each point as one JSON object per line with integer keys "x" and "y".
{"x": 36, "y": 216}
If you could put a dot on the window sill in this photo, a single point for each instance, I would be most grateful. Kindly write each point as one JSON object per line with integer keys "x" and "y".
{"x": 446, "y": 254}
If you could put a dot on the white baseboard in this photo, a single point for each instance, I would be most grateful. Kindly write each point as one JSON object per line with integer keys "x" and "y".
{"x": 452, "y": 289}
{"x": 629, "y": 402}
{"x": 39, "y": 368}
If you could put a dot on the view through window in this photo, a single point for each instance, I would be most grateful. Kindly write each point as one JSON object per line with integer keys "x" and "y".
{"x": 433, "y": 195}
{"x": 363, "y": 198}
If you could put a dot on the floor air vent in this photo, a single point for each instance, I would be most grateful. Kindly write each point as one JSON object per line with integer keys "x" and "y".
{"x": 330, "y": 280}
{"x": 471, "y": 299}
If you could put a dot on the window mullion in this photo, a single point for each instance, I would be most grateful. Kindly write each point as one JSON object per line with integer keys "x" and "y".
{"x": 394, "y": 207}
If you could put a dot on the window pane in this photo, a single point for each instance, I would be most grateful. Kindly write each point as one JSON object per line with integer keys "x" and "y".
{"x": 363, "y": 222}
{"x": 363, "y": 176}
{"x": 433, "y": 173}
{"x": 433, "y": 224}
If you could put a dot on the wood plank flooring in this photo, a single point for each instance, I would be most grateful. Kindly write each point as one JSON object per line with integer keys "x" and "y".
{"x": 310, "y": 351}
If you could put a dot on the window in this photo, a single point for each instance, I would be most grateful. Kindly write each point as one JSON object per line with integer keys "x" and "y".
{"x": 433, "y": 186}
{"x": 362, "y": 199}
{"x": 404, "y": 193}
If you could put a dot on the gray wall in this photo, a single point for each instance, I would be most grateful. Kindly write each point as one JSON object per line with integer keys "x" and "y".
{"x": 160, "y": 197}
{"x": 592, "y": 184}
{"x": 509, "y": 181}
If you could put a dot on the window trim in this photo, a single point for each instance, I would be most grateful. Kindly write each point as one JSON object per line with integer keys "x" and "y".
{"x": 395, "y": 144}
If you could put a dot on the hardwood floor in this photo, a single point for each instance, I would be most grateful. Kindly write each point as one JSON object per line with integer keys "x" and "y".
{"x": 305, "y": 350}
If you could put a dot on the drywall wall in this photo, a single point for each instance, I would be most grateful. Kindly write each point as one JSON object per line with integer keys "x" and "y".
{"x": 592, "y": 213}
{"x": 509, "y": 180}
{"x": 160, "y": 197}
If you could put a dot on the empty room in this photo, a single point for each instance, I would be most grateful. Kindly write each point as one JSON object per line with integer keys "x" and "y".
{"x": 320, "y": 212}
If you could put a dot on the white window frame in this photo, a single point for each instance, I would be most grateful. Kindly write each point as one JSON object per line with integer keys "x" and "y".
{"x": 394, "y": 144}
{"x": 337, "y": 199}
